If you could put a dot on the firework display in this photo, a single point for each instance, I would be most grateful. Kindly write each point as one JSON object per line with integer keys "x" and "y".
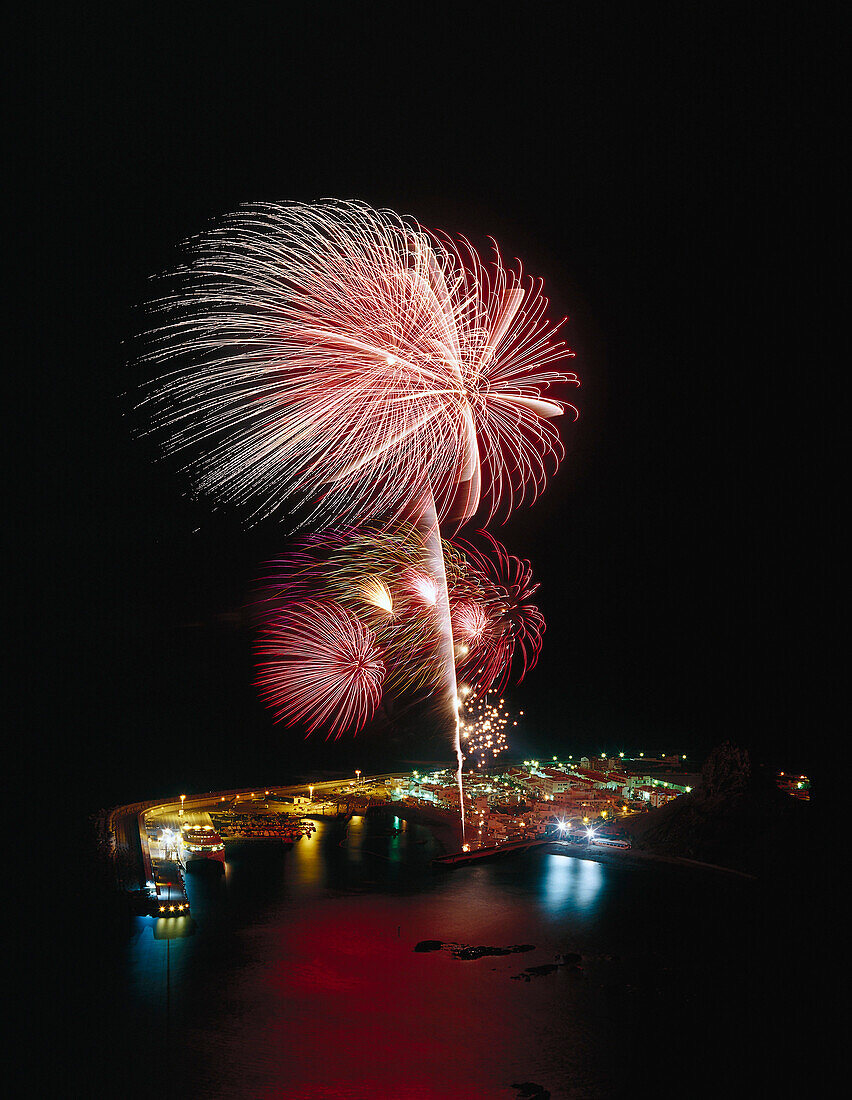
{"x": 341, "y": 358}
{"x": 381, "y": 579}
{"x": 355, "y": 374}
{"x": 509, "y": 626}
{"x": 483, "y": 731}
{"x": 320, "y": 667}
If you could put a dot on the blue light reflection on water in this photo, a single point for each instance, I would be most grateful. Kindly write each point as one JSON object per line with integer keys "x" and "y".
{"x": 572, "y": 884}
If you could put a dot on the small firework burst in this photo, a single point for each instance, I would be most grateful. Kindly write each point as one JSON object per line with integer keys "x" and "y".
{"x": 483, "y": 731}
{"x": 377, "y": 594}
{"x": 508, "y": 626}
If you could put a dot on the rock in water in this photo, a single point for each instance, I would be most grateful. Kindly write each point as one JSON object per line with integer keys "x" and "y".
{"x": 529, "y": 1090}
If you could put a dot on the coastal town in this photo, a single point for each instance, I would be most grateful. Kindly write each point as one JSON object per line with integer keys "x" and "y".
{"x": 591, "y": 802}
{"x": 551, "y": 798}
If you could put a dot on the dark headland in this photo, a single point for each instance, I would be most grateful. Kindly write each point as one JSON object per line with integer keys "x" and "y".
{"x": 737, "y": 818}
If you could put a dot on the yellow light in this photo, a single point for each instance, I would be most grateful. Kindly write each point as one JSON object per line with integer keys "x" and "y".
{"x": 378, "y": 594}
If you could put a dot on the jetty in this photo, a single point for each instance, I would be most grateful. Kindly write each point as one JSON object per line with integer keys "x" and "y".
{"x": 522, "y": 845}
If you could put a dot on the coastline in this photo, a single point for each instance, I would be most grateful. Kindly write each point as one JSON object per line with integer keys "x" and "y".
{"x": 631, "y": 855}
{"x": 444, "y": 825}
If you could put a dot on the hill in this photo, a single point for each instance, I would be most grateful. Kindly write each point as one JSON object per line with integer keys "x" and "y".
{"x": 736, "y": 818}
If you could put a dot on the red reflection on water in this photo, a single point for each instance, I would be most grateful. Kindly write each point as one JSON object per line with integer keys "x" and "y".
{"x": 404, "y": 1024}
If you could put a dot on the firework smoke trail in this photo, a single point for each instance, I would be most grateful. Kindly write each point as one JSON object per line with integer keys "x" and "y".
{"x": 427, "y": 526}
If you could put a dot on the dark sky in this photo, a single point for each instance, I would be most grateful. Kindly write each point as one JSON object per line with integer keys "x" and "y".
{"x": 659, "y": 168}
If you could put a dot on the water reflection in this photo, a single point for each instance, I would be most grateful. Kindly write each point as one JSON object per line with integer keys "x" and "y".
{"x": 173, "y": 928}
{"x": 571, "y": 883}
{"x": 308, "y": 859}
{"x": 303, "y": 971}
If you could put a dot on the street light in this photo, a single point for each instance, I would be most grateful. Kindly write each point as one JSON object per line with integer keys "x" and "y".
{"x": 182, "y": 799}
{"x": 358, "y": 773}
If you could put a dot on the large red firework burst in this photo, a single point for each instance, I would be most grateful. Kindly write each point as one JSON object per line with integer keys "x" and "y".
{"x": 318, "y": 666}
{"x": 347, "y": 359}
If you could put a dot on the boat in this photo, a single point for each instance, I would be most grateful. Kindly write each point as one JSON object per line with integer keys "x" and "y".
{"x": 202, "y": 842}
{"x": 249, "y": 826}
{"x": 608, "y": 842}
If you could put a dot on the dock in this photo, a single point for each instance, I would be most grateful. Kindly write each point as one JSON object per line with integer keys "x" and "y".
{"x": 522, "y": 845}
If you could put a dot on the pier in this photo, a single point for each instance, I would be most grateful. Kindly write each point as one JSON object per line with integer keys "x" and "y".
{"x": 522, "y": 845}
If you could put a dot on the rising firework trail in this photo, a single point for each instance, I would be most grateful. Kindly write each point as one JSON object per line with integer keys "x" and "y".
{"x": 345, "y": 365}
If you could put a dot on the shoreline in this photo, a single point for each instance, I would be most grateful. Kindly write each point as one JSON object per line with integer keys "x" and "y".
{"x": 614, "y": 856}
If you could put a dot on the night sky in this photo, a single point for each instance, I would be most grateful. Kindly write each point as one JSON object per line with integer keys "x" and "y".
{"x": 659, "y": 169}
